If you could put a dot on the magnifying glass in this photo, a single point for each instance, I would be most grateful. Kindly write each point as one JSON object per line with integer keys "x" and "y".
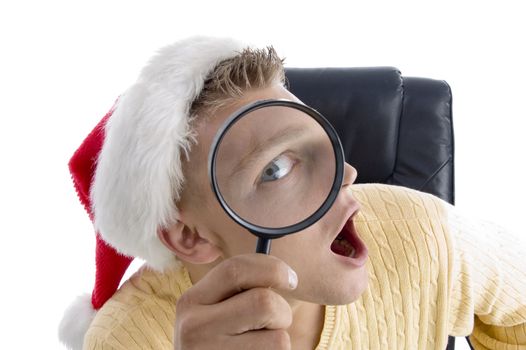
{"x": 276, "y": 167}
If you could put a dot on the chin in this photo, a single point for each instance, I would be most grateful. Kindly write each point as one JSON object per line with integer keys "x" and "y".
{"x": 349, "y": 290}
{"x": 335, "y": 289}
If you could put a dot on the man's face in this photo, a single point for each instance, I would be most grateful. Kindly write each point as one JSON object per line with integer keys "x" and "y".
{"x": 324, "y": 277}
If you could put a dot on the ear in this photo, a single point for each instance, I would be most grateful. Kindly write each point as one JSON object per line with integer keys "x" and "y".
{"x": 188, "y": 245}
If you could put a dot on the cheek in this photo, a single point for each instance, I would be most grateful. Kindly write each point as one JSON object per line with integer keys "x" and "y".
{"x": 239, "y": 241}
{"x": 233, "y": 239}
{"x": 300, "y": 248}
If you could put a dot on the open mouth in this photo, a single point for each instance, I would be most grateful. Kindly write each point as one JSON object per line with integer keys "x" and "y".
{"x": 349, "y": 245}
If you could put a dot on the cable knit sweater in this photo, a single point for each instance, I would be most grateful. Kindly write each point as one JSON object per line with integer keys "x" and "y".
{"x": 432, "y": 273}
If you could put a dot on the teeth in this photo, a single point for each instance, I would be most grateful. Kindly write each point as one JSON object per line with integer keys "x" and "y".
{"x": 343, "y": 242}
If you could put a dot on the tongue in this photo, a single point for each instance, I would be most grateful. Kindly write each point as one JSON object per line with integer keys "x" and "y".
{"x": 341, "y": 246}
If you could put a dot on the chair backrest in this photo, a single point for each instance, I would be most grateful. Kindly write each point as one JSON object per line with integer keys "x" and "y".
{"x": 394, "y": 129}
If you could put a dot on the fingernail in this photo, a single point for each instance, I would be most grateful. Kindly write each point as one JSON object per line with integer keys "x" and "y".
{"x": 293, "y": 279}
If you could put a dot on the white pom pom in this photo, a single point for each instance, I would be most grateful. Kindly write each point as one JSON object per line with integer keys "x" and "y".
{"x": 76, "y": 321}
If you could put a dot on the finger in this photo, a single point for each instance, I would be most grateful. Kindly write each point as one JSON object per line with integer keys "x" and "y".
{"x": 264, "y": 339}
{"x": 240, "y": 273}
{"x": 256, "y": 308}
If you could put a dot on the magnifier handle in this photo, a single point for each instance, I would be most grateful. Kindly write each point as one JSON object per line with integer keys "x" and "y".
{"x": 263, "y": 245}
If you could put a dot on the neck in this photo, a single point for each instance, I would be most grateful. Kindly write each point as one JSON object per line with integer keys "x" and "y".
{"x": 307, "y": 318}
{"x": 307, "y": 324}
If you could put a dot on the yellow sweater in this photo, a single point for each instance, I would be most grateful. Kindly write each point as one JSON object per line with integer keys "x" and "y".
{"x": 432, "y": 273}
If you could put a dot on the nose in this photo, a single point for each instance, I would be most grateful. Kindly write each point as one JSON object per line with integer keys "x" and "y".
{"x": 349, "y": 175}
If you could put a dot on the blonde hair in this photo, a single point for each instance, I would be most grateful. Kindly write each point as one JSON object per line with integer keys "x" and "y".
{"x": 231, "y": 78}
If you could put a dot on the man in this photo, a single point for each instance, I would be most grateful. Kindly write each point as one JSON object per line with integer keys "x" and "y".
{"x": 386, "y": 267}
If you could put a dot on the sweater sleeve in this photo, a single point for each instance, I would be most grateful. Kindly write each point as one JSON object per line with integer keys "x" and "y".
{"x": 148, "y": 325}
{"x": 488, "y": 283}
{"x": 140, "y": 315}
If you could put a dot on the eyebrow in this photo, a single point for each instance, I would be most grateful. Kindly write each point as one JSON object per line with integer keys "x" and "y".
{"x": 279, "y": 138}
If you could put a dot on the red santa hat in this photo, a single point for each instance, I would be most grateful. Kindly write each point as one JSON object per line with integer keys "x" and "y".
{"x": 128, "y": 173}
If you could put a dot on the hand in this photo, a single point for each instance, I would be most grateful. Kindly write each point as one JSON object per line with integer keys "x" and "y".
{"x": 232, "y": 307}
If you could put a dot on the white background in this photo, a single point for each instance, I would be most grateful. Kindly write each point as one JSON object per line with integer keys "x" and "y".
{"x": 64, "y": 63}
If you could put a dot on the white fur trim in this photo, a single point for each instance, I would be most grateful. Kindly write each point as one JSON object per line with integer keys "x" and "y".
{"x": 76, "y": 321}
{"x": 139, "y": 175}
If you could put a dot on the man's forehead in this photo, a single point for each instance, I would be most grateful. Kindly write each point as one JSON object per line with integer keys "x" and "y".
{"x": 207, "y": 128}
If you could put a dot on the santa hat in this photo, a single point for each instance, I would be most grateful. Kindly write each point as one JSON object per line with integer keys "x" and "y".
{"x": 128, "y": 173}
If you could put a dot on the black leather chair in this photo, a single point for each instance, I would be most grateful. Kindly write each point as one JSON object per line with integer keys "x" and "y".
{"x": 395, "y": 130}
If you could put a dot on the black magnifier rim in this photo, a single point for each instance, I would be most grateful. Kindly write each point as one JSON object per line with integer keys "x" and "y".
{"x": 270, "y": 232}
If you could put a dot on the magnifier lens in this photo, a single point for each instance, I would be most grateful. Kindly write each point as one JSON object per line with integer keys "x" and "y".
{"x": 275, "y": 166}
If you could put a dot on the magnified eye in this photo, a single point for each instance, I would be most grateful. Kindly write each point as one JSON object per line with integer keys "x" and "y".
{"x": 277, "y": 168}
